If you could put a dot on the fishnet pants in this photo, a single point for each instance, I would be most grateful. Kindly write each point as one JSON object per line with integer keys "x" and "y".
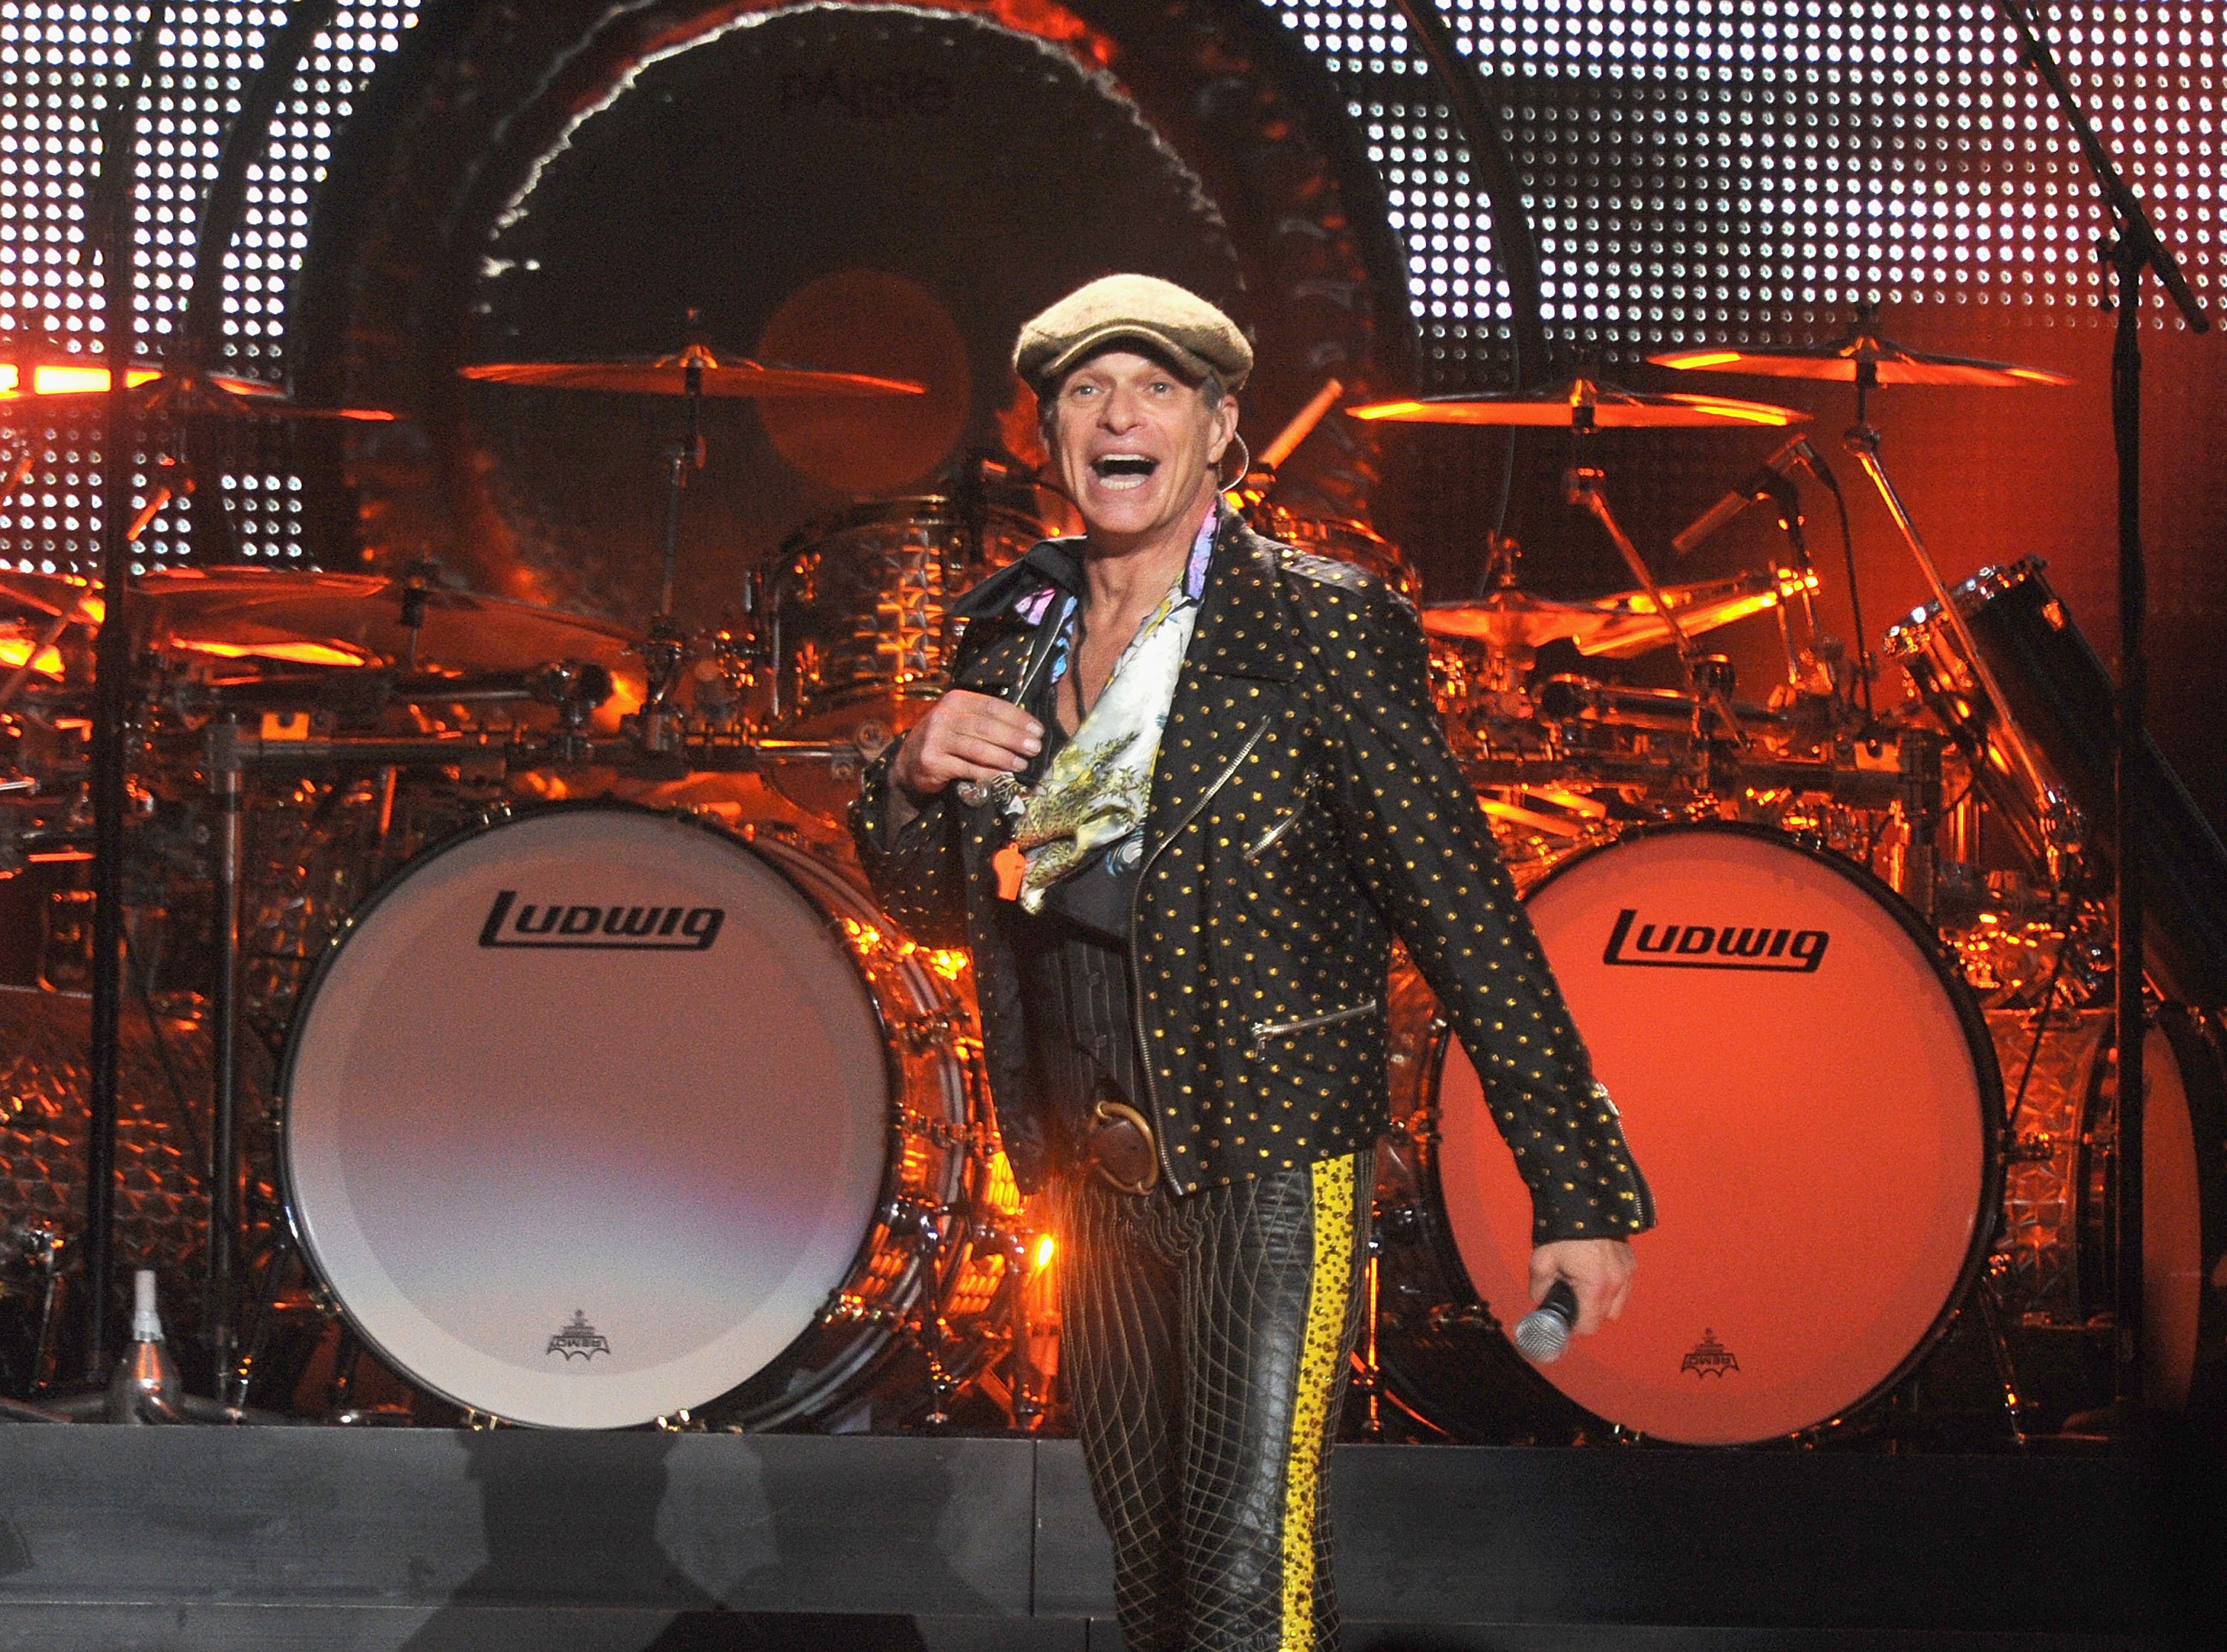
{"x": 1205, "y": 1342}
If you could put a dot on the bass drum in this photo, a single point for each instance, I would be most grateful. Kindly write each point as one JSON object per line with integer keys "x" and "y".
{"x": 597, "y": 1115}
{"x": 1811, "y": 1095}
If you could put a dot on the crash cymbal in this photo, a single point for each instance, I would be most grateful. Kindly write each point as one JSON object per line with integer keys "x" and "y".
{"x": 1699, "y": 607}
{"x": 1845, "y": 358}
{"x": 45, "y": 596}
{"x": 1617, "y": 626}
{"x": 668, "y": 376}
{"x": 329, "y": 619}
{"x": 61, "y": 379}
{"x": 1583, "y": 403}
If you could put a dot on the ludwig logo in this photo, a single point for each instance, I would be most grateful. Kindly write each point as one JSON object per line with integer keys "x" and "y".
{"x": 637, "y": 928}
{"x": 1705, "y": 946}
{"x": 578, "y": 1339}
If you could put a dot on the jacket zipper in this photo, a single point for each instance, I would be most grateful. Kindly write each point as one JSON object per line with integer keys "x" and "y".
{"x": 1274, "y": 835}
{"x": 1264, "y": 1031}
{"x": 1136, "y": 897}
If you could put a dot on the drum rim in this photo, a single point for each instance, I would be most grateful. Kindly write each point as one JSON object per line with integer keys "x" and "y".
{"x": 931, "y": 507}
{"x": 1912, "y": 636}
{"x": 1977, "y": 1039}
{"x": 494, "y": 820}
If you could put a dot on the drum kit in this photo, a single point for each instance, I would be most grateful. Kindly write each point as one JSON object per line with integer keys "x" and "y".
{"x": 511, "y": 1037}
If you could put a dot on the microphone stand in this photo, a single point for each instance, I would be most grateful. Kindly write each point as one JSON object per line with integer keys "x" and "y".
{"x": 2133, "y": 246}
{"x": 110, "y": 229}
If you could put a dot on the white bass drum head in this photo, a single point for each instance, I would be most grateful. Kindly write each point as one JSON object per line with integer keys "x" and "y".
{"x": 586, "y": 1117}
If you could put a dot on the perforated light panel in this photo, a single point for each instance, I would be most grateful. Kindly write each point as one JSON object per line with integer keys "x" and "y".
{"x": 1718, "y": 170}
{"x": 57, "y": 64}
{"x": 1748, "y": 170}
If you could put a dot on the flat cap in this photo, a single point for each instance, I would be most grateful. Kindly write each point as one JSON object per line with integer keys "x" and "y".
{"x": 1192, "y": 334}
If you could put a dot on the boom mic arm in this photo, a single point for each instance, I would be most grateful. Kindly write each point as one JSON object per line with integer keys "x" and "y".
{"x": 1771, "y": 480}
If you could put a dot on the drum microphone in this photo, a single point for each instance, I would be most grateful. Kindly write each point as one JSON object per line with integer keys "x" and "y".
{"x": 1543, "y": 1333}
{"x": 1770, "y": 480}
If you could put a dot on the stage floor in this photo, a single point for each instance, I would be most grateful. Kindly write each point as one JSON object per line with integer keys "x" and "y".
{"x": 356, "y": 1540}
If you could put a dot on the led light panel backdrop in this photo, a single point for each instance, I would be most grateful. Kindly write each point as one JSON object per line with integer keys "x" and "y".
{"x": 1736, "y": 171}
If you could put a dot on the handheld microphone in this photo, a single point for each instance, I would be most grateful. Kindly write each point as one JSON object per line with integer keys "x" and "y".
{"x": 1769, "y": 480}
{"x": 1543, "y": 1333}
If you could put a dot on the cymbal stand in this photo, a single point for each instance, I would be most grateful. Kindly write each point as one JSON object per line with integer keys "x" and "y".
{"x": 662, "y": 654}
{"x": 1862, "y": 442}
{"x": 225, "y": 764}
{"x": 2134, "y": 248}
{"x": 1583, "y": 484}
{"x": 111, "y": 225}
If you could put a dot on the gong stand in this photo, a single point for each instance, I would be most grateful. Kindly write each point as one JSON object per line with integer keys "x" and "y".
{"x": 2131, "y": 248}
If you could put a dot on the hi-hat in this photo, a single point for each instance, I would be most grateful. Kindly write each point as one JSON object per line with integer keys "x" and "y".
{"x": 1843, "y": 360}
{"x": 1617, "y": 627}
{"x": 1582, "y": 403}
{"x": 669, "y": 376}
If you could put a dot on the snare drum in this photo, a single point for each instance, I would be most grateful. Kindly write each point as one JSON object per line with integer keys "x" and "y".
{"x": 598, "y": 1114}
{"x": 1811, "y": 1095}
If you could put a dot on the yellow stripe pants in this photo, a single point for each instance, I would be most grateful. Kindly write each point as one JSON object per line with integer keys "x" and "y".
{"x": 1204, "y": 1349}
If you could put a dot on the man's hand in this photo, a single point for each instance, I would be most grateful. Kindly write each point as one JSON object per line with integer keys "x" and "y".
{"x": 1599, "y": 1272}
{"x": 965, "y": 736}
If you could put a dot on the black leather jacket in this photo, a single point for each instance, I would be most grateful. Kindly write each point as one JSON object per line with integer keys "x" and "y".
{"x": 1304, "y": 810}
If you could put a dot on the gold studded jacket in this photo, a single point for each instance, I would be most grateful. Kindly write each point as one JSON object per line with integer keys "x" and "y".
{"x": 1306, "y": 809}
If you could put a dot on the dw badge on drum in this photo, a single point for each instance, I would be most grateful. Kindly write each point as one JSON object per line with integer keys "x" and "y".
{"x": 579, "y": 1338}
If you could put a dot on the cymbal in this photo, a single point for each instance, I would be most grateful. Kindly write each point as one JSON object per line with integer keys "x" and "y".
{"x": 297, "y": 616}
{"x": 59, "y": 379}
{"x": 300, "y": 617}
{"x": 1577, "y": 402}
{"x": 1617, "y": 627}
{"x": 668, "y": 376}
{"x": 1843, "y": 359}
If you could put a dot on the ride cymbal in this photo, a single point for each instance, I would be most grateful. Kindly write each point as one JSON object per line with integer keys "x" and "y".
{"x": 1583, "y": 404}
{"x": 1844, "y": 360}
{"x": 669, "y": 376}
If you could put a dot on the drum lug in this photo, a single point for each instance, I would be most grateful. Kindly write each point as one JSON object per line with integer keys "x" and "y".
{"x": 923, "y": 1223}
{"x": 923, "y": 1035}
{"x": 1401, "y": 1224}
{"x": 1442, "y": 1317}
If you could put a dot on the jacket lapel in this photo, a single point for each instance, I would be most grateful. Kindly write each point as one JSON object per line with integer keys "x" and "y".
{"x": 1242, "y": 633}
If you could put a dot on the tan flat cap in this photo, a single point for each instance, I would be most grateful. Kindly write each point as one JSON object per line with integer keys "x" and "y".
{"x": 1192, "y": 332}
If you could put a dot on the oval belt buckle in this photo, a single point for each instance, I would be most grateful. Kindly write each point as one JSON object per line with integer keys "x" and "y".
{"x": 1122, "y": 1148}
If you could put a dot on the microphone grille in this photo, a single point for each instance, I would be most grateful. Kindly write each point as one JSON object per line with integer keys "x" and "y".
{"x": 1541, "y": 1335}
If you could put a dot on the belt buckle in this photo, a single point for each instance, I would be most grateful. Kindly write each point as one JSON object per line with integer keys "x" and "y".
{"x": 1107, "y": 1119}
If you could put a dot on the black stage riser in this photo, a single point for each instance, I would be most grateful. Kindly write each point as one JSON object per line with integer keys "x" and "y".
{"x": 191, "y": 1539}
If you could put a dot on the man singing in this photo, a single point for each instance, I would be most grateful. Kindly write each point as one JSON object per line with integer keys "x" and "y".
{"x": 1188, "y": 786}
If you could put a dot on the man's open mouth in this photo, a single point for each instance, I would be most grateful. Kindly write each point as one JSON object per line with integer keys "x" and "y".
{"x": 1123, "y": 467}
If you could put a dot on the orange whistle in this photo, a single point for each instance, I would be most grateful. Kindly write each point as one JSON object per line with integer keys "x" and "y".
{"x": 1010, "y": 864}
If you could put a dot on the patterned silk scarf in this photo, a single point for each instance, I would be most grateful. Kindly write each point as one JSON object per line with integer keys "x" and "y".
{"x": 1093, "y": 795}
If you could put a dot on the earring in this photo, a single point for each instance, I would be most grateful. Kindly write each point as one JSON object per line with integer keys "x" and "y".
{"x": 1229, "y": 479}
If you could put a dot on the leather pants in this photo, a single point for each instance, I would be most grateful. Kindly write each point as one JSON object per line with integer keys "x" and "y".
{"x": 1204, "y": 1349}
